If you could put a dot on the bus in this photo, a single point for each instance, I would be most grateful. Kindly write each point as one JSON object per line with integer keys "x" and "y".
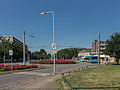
{"x": 92, "y": 59}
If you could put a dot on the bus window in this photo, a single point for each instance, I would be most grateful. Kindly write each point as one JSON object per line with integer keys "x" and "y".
{"x": 94, "y": 58}
{"x": 87, "y": 58}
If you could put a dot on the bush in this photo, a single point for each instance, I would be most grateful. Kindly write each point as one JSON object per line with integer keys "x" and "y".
{"x": 16, "y": 67}
{"x": 36, "y": 62}
{"x": 48, "y": 61}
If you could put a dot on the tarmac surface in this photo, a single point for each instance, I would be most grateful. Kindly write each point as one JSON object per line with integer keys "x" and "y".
{"x": 42, "y": 79}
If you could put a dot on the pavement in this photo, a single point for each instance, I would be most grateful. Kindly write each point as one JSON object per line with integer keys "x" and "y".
{"x": 37, "y": 79}
{"x": 38, "y": 83}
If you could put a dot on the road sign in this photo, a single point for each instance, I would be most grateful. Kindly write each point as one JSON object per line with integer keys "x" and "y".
{"x": 10, "y": 52}
{"x": 53, "y": 51}
{"x": 53, "y": 46}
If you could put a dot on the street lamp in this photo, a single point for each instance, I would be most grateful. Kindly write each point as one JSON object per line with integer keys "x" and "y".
{"x": 53, "y": 44}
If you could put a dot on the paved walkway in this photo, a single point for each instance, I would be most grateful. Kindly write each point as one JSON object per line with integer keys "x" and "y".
{"x": 38, "y": 83}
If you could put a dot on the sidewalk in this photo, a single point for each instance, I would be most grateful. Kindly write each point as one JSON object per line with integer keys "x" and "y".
{"x": 38, "y": 83}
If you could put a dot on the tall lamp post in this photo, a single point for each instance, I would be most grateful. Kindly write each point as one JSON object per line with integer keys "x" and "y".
{"x": 53, "y": 44}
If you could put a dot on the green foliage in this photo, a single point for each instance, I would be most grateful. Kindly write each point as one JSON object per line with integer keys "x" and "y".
{"x": 48, "y": 56}
{"x": 43, "y": 54}
{"x": 35, "y": 55}
{"x": 36, "y": 62}
{"x": 61, "y": 84}
{"x": 18, "y": 51}
{"x": 7, "y": 45}
{"x": 39, "y": 55}
{"x": 69, "y": 53}
{"x": 104, "y": 76}
{"x": 113, "y": 46}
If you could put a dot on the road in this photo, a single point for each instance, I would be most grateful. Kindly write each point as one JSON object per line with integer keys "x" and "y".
{"x": 21, "y": 76}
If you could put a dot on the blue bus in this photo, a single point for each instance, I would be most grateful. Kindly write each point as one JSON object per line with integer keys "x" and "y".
{"x": 92, "y": 59}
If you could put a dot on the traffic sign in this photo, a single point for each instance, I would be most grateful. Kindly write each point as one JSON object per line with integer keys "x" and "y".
{"x": 53, "y": 51}
{"x": 53, "y": 46}
{"x": 10, "y": 52}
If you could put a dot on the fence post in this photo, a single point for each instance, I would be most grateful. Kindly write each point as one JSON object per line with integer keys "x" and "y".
{"x": 64, "y": 81}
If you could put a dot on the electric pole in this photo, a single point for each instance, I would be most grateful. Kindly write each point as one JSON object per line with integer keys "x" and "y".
{"x": 99, "y": 50}
{"x": 24, "y": 48}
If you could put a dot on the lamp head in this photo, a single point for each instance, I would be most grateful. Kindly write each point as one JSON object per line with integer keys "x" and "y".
{"x": 43, "y": 13}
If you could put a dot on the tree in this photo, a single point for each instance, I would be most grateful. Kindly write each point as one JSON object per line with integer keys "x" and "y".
{"x": 113, "y": 46}
{"x": 1, "y": 49}
{"x": 36, "y": 55}
{"x": 69, "y": 53}
{"x": 17, "y": 51}
{"x": 7, "y": 45}
{"x": 43, "y": 54}
{"x": 48, "y": 56}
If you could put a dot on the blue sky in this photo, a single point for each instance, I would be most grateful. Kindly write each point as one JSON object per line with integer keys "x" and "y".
{"x": 77, "y": 22}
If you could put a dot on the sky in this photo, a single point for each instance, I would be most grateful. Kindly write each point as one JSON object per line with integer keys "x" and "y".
{"x": 77, "y": 22}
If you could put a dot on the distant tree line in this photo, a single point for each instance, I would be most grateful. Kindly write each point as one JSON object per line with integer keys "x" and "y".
{"x": 42, "y": 54}
{"x": 69, "y": 53}
{"x": 6, "y": 45}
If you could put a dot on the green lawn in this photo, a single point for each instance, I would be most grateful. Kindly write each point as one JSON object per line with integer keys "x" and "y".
{"x": 104, "y": 76}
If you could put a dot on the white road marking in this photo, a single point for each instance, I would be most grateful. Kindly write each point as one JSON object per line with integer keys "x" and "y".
{"x": 33, "y": 73}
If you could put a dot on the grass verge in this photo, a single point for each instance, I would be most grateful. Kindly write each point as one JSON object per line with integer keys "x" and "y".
{"x": 7, "y": 72}
{"x": 104, "y": 76}
{"x": 61, "y": 84}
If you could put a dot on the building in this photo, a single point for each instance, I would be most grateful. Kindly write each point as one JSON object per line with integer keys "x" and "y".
{"x": 83, "y": 53}
{"x": 14, "y": 40}
{"x": 95, "y": 47}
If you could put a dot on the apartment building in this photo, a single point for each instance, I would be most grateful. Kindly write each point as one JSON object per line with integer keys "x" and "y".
{"x": 95, "y": 46}
{"x": 14, "y": 40}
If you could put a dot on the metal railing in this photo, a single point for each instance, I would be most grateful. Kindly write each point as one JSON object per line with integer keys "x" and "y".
{"x": 76, "y": 88}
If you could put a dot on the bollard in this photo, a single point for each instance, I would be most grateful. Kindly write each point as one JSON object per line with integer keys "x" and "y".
{"x": 64, "y": 81}
{"x": 62, "y": 74}
{"x": 69, "y": 72}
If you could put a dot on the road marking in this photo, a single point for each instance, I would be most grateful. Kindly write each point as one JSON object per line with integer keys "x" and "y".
{"x": 34, "y": 73}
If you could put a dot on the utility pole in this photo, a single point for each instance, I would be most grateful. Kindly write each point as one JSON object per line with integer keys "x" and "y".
{"x": 4, "y": 52}
{"x": 24, "y": 48}
{"x": 99, "y": 50}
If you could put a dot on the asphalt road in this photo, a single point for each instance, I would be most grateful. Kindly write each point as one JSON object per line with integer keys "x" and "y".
{"x": 21, "y": 76}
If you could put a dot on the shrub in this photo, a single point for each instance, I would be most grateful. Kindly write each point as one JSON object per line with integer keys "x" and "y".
{"x": 16, "y": 67}
{"x": 49, "y": 61}
{"x": 36, "y": 61}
